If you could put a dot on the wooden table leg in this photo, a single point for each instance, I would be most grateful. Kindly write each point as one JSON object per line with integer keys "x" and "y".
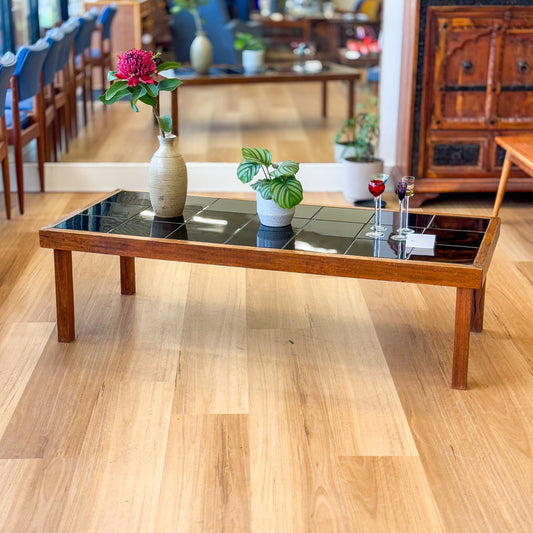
{"x": 127, "y": 275}
{"x": 463, "y": 318}
{"x": 64, "y": 295}
{"x": 506, "y": 169}
{"x": 351, "y": 96}
{"x": 324, "y": 99}
{"x": 174, "y": 111}
{"x": 478, "y": 309}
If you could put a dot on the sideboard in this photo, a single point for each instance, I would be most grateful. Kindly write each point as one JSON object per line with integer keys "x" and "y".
{"x": 467, "y": 77}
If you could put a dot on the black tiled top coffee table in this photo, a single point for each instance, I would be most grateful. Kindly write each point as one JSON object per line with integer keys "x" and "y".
{"x": 321, "y": 240}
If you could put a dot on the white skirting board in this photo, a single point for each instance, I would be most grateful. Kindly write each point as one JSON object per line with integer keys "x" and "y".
{"x": 203, "y": 177}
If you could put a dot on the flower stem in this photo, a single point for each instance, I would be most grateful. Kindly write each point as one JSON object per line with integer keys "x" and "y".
{"x": 156, "y": 117}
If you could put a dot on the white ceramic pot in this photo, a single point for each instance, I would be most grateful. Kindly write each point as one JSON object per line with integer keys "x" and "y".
{"x": 253, "y": 61}
{"x": 167, "y": 179}
{"x": 271, "y": 214}
{"x": 342, "y": 151}
{"x": 355, "y": 178}
{"x": 201, "y": 53}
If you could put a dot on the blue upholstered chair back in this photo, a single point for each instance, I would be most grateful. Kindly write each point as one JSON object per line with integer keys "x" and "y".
{"x": 82, "y": 41}
{"x": 7, "y": 67}
{"x": 69, "y": 29}
{"x": 55, "y": 38}
{"x": 216, "y": 26}
{"x": 30, "y": 61}
{"x": 106, "y": 18}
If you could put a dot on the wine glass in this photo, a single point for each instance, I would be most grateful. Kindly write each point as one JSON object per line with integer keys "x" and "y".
{"x": 383, "y": 178}
{"x": 401, "y": 189}
{"x": 409, "y": 191}
{"x": 376, "y": 188}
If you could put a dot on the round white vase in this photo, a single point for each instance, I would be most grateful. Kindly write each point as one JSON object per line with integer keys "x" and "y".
{"x": 167, "y": 179}
{"x": 271, "y": 214}
{"x": 253, "y": 61}
{"x": 355, "y": 178}
{"x": 201, "y": 53}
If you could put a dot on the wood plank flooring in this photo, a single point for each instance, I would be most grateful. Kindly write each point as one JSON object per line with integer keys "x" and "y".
{"x": 227, "y": 400}
{"x": 220, "y": 399}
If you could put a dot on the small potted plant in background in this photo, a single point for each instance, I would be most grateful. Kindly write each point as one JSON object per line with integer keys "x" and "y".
{"x": 253, "y": 52}
{"x": 355, "y": 148}
{"x": 201, "y": 53}
{"x": 278, "y": 190}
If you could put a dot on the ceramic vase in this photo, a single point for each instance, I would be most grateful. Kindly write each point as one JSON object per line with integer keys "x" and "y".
{"x": 167, "y": 179}
{"x": 272, "y": 215}
{"x": 355, "y": 178}
{"x": 201, "y": 53}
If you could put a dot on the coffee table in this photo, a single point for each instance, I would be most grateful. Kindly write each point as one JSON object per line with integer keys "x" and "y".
{"x": 274, "y": 73}
{"x": 328, "y": 241}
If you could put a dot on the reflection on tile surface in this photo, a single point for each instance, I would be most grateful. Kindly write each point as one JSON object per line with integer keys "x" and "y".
{"x": 321, "y": 229}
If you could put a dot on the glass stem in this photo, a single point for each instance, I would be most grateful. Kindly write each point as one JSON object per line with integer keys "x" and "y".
{"x": 377, "y": 221}
{"x": 378, "y": 211}
{"x": 400, "y": 222}
{"x": 406, "y": 214}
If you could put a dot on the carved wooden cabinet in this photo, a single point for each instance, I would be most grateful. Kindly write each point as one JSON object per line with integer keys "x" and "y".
{"x": 469, "y": 78}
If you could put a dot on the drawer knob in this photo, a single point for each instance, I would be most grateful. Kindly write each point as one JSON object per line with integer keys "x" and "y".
{"x": 468, "y": 67}
{"x": 523, "y": 67}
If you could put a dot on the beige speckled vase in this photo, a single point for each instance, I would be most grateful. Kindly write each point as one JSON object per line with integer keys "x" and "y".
{"x": 167, "y": 179}
{"x": 201, "y": 53}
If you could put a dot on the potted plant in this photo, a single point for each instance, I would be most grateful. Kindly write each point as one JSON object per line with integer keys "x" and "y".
{"x": 253, "y": 52}
{"x": 278, "y": 190}
{"x": 201, "y": 53}
{"x": 355, "y": 148}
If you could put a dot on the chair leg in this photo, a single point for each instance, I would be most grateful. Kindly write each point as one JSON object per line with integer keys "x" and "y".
{"x": 41, "y": 156}
{"x": 7, "y": 187}
{"x": 17, "y": 148}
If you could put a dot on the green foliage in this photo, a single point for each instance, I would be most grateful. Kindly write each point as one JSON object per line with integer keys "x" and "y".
{"x": 143, "y": 92}
{"x": 360, "y": 132}
{"x": 246, "y": 41}
{"x": 279, "y": 182}
{"x": 192, "y": 7}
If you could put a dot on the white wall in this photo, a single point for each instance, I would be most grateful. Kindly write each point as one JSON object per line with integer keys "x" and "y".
{"x": 389, "y": 88}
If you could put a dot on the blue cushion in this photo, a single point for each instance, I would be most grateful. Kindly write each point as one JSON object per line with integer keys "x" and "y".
{"x": 24, "y": 119}
{"x": 24, "y": 105}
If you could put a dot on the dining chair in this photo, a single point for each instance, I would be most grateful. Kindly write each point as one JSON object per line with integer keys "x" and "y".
{"x": 55, "y": 38}
{"x": 65, "y": 94}
{"x": 82, "y": 74}
{"x": 8, "y": 63}
{"x": 26, "y": 83}
{"x": 100, "y": 55}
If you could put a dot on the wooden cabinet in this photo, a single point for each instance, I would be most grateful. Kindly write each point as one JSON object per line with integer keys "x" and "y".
{"x": 471, "y": 80}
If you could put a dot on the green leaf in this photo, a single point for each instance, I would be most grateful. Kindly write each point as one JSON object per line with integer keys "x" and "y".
{"x": 118, "y": 96}
{"x": 168, "y": 65}
{"x": 152, "y": 90}
{"x": 288, "y": 168}
{"x": 286, "y": 191}
{"x": 111, "y": 75}
{"x": 263, "y": 186}
{"x": 169, "y": 84}
{"x": 149, "y": 100}
{"x": 257, "y": 155}
{"x": 115, "y": 88}
{"x": 247, "y": 171}
{"x": 165, "y": 123}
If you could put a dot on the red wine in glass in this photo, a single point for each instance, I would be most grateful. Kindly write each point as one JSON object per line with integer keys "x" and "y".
{"x": 376, "y": 188}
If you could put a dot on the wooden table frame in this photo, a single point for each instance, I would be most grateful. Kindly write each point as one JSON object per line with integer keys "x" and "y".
{"x": 335, "y": 73}
{"x": 518, "y": 151}
{"x": 469, "y": 280}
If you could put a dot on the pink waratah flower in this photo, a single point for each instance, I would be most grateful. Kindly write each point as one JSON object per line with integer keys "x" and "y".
{"x": 136, "y": 66}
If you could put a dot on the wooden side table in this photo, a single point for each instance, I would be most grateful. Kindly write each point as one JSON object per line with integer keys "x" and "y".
{"x": 519, "y": 150}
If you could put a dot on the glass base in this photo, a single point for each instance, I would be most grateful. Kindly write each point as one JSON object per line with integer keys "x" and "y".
{"x": 378, "y": 228}
{"x": 399, "y": 237}
{"x": 408, "y": 230}
{"x": 375, "y": 234}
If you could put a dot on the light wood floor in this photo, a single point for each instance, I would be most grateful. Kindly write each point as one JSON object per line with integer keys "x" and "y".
{"x": 232, "y": 400}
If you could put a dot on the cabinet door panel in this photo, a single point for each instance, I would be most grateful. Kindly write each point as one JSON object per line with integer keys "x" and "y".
{"x": 462, "y": 68}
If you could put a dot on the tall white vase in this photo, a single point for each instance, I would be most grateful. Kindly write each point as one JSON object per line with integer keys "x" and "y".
{"x": 201, "y": 53}
{"x": 167, "y": 179}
